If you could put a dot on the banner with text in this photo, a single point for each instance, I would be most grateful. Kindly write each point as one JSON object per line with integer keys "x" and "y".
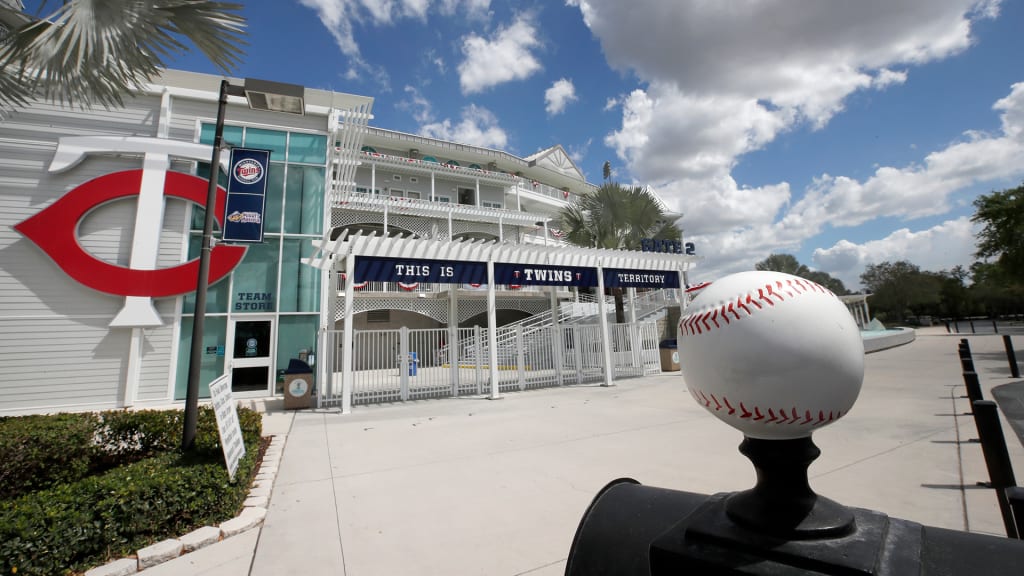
{"x": 247, "y": 192}
{"x": 543, "y": 275}
{"x": 373, "y": 269}
{"x": 621, "y": 278}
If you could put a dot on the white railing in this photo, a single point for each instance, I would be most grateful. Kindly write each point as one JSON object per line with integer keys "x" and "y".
{"x": 404, "y": 364}
{"x": 426, "y": 287}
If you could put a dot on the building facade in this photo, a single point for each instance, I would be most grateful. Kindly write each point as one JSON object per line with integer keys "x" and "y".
{"x": 102, "y": 223}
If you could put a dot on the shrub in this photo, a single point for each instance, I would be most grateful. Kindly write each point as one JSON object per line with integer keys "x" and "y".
{"x": 70, "y": 527}
{"x": 37, "y": 452}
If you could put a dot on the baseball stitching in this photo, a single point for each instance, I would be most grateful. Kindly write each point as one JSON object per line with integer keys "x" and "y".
{"x": 769, "y": 416}
{"x": 748, "y": 304}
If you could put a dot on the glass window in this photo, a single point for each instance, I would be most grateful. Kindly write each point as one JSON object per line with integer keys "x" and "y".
{"x": 232, "y": 135}
{"x": 304, "y": 202}
{"x": 215, "y": 331}
{"x": 198, "y": 212}
{"x": 255, "y": 280}
{"x": 300, "y": 283}
{"x": 296, "y": 338}
{"x": 308, "y": 148}
{"x": 275, "y": 196}
{"x": 216, "y": 295}
{"x": 273, "y": 140}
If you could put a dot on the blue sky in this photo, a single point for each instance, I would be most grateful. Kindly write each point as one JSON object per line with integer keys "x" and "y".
{"x": 846, "y": 133}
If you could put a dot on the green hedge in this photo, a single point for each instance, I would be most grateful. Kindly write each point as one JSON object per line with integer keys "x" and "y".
{"x": 73, "y": 526}
{"x": 37, "y": 452}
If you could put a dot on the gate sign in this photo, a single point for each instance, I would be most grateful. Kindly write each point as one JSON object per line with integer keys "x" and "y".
{"x": 247, "y": 193}
{"x": 622, "y": 278}
{"x": 543, "y": 275}
{"x": 409, "y": 271}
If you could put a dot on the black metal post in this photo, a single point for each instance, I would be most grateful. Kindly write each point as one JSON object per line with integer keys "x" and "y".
{"x": 973, "y": 386}
{"x": 188, "y": 434}
{"x": 972, "y": 326}
{"x": 994, "y": 327}
{"x": 1015, "y": 496}
{"x": 1011, "y": 356}
{"x": 997, "y": 458}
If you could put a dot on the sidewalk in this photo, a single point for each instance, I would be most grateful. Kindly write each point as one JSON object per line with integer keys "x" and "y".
{"x": 473, "y": 486}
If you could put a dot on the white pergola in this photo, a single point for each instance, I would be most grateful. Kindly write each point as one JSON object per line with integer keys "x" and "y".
{"x": 340, "y": 255}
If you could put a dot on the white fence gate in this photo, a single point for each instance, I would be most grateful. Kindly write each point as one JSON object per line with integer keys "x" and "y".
{"x": 404, "y": 364}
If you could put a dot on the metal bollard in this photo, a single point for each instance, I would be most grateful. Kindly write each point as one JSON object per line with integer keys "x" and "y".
{"x": 973, "y": 386}
{"x": 1011, "y": 356}
{"x": 1015, "y": 496}
{"x": 997, "y": 458}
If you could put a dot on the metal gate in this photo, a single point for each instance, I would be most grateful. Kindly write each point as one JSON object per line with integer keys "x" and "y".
{"x": 404, "y": 364}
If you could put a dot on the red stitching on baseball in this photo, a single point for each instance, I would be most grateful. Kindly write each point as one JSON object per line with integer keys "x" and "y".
{"x": 782, "y": 416}
{"x": 772, "y": 293}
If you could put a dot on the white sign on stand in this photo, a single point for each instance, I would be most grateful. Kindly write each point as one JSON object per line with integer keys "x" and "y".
{"x": 227, "y": 423}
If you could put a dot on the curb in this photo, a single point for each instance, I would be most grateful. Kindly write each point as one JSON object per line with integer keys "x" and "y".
{"x": 254, "y": 511}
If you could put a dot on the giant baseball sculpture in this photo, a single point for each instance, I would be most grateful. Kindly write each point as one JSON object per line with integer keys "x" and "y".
{"x": 771, "y": 354}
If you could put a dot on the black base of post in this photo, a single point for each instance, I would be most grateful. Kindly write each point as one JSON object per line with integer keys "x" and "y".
{"x": 710, "y": 542}
{"x": 782, "y": 503}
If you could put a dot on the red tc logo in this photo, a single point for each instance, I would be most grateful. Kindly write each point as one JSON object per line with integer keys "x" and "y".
{"x": 54, "y": 230}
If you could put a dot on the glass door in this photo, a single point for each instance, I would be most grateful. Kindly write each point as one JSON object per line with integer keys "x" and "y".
{"x": 251, "y": 340}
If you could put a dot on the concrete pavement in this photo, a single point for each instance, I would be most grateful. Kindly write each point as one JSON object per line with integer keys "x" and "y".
{"x": 474, "y": 486}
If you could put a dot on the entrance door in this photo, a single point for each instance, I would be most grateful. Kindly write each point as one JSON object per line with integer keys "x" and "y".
{"x": 252, "y": 354}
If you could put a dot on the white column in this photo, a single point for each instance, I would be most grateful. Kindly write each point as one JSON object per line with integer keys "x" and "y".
{"x": 432, "y": 186}
{"x": 492, "y": 330}
{"x": 348, "y": 336}
{"x": 556, "y": 335}
{"x": 453, "y": 337}
{"x": 606, "y": 345}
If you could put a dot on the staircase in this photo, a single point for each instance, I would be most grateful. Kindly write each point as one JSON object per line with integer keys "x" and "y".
{"x": 536, "y": 331}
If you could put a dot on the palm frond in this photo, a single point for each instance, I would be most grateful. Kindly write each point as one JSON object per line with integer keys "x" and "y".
{"x": 90, "y": 52}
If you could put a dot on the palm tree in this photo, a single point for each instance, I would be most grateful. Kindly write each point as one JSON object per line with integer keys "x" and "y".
{"x": 606, "y": 170}
{"x": 617, "y": 218}
{"x": 90, "y": 52}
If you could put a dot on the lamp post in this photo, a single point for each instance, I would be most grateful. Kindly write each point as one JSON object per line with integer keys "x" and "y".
{"x": 261, "y": 95}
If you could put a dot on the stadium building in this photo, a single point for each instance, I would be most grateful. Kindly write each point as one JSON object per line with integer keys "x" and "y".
{"x": 436, "y": 264}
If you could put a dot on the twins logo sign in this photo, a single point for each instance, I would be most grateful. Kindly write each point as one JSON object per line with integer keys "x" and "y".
{"x": 54, "y": 229}
{"x": 247, "y": 190}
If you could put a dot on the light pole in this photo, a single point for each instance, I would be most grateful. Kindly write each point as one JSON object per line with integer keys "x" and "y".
{"x": 261, "y": 95}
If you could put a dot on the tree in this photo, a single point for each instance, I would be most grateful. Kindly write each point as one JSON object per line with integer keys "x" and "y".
{"x": 993, "y": 291}
{"x": 90, "y": 52}
{"x": 617, "y": 218}
{"x": 606, "y": 170}
{"x": 1002, "y": 235}
{"x": 787, "y": 263}
{"x": 899, "y": 288}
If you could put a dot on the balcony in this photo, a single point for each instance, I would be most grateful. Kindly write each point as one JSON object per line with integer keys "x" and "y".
{"x": 429, "y": 209}
{"x": 420, "y": 166}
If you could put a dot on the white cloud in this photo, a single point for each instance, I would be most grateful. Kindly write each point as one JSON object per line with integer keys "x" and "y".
{"x": 338, "y": 16}
{"x": 556, "y": 98}
{"x": 478, "y": 127}
{"x": 722, "y": 82}
{"x": 415, "y": 104}
{"x": 506, "y": 56}
{"x": 938, "y": 248}
{"x": 803, "y": 54}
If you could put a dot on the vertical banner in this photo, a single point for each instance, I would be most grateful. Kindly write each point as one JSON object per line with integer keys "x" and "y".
{"x": 247, "y": 192}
